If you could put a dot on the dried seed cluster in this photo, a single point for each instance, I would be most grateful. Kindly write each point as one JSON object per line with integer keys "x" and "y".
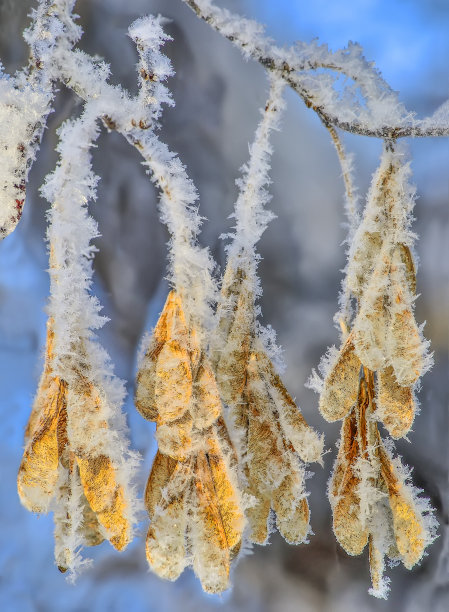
{"x": 192, "y": 495}
{"x": 59, "y": 472}
{"x": 372, "y": 379}
{"x": 273, "y": 435}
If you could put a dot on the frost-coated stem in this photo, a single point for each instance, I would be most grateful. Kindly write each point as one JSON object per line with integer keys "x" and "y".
{"x": 350, "y": 189}
{"x": 250, "y": 214}
{"x": 383, "y": 117}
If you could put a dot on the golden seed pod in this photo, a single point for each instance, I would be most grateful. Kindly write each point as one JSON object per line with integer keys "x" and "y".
{"x": 206, "y": 404}
{"x": 408, "y": 527}
{"x": 395, "y": 404}
{"x": 362, "y": 262}
{"x": 211, "y": 555}
{"x": 343, "y": 492}
{"x": 225, "y": 490}
{"x": 406, "y": 345}
{"x": 258, "y": 514}
{"x": 173, "y": 388}
{"x": 341, "y": 384}
{"x": 231, "y": 367}
{"x": 170, "y": 329}
{"x": 406, "y": 354}
{"x": 105, "y": 497}
{"x": 175, "y": 438}
{"x": 305, "y": 441}
{"x": 91, "y": 526}
{"x": 290, "y": 505}
{"x": 38, "y": 472}
{"x": 165, "y": 543}
{"x": 369, "y": 334}
{"x": 161, "y": 472}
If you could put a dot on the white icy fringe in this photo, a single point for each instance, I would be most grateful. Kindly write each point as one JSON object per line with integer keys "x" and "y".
{"x": 76, "y": 313}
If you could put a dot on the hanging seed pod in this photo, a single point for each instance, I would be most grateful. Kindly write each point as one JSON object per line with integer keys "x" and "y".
{"x": 409, "y": 530}
{"x": 231, "y": 368}
{"x": 38, "y": 472}
{"x": 191, "y": 494}
{"x": 58, "y": 459}
{"x": 341, "y": 384}
{"x": 370, "y": 325}
{"x": 343, "y": 492}
{"x": 406, "y": 347}
{"x": 395, "y": 404}
{"x": 168, "y": 509}
{"x": 290, "y": 504}
{"x": 305, "y": 441}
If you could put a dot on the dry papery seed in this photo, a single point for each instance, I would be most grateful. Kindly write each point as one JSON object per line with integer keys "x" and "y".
{"x": 395, "y": 404}
{"x": 52, "y": 458}
{"x": 341, "y": 384}
{"x": 343, "y": 491}
{"x": 191, "y": 494}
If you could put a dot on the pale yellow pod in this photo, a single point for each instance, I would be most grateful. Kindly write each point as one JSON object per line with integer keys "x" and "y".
{"x": 206, "y": 404}
{"x": 361, "y": 265}
{"x": 161, "y": 472}
{"x": 405, "y": 342}
{"x": 90, "y": 527}
{"x": 306, "y": 442}
{"x": 369, "y": 334}
{"x": 211, "y": 556}
{"x": 38, "y": 472}
{"x": 345, "y": 501}
{"x": 166, "y": 542}
{"x": 395, "y": 404}
{"x": 292, "y": 511}
{"x": 265, "y": 460}
{"x": 173, "y": 388}
{"x": 408, "y": 527}
{"x": 410, "y": 270}
{"x": 175, "y": 437}
{"x": 295, "y": 528}
{"x": 407, "y": 348}
{"x": 231, "y": 368}
{"x": 228, "y": 504}
{"x": 145, "y": 397}
{"x": 46, "y": 382}
{"x": 105, "y": 497}
{"x": 348, "y": 528}
{"x": 258, "y": 515}
{"x": 341, "y": 384}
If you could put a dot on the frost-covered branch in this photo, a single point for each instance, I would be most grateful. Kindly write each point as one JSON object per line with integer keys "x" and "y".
{"x": 381, "y": 115}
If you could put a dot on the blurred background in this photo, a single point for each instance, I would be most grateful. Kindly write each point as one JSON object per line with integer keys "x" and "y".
{"x": 217, "y": 96}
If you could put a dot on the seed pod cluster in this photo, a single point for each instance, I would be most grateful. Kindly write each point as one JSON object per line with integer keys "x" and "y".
{"x": 372, "y": 379}
{"x": 192, "y": 494}
{"x": 274, "y": 437}
{"x": 58, "y": 472}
